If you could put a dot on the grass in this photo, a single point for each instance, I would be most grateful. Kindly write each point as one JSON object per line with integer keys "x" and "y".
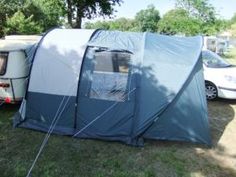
{"x": 67, "y": 157}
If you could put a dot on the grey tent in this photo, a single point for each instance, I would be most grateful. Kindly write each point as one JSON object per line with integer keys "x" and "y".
{"x": 118, "y": 86}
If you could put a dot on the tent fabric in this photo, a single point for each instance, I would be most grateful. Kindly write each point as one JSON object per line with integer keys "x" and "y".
{"x": 67, "y": 44}
{"x": 130, "y": 86}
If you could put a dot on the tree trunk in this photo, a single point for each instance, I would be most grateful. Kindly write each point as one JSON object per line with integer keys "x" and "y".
{"x": 69, "y": 13}
{"x": 78, "y": 22}
{"x": 79, "y": 15}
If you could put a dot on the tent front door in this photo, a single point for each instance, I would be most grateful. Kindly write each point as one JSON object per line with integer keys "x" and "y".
{"x": 106, "y": 94}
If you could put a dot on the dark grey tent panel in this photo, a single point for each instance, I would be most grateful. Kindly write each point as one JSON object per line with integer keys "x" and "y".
{"x": 180, "y": 116}
{"x": 121, "y": 86}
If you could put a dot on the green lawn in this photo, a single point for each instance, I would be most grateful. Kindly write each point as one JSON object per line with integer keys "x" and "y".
{"x": 68, "y": 157}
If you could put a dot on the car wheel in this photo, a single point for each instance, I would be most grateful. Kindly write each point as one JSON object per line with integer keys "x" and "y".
{"x": 211, "y": 91}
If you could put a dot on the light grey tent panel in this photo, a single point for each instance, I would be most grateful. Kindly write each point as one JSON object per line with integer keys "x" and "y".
{"x": 57, "y": 62}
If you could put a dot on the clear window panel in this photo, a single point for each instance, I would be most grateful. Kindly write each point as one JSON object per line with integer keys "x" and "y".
{"x": 110, "y": 75}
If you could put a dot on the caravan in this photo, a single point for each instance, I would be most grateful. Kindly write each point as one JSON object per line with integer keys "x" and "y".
{"x": 216, "y": 44}
{"x": 14, "y": 68}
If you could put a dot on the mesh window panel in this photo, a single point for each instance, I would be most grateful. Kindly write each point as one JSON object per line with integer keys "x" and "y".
{"x": 110, "y": 75}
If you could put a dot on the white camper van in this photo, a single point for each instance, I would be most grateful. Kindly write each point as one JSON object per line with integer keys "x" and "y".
{"x": 14, "y": 68}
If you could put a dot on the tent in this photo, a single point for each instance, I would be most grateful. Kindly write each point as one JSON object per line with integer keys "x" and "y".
{"x": 118, "y": 86}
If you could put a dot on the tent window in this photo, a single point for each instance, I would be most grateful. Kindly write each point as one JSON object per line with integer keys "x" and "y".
{"x": 3, "y": 62}
{"x": 110, "y": 75}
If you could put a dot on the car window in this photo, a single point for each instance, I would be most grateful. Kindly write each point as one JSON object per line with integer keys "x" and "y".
{"x": 212, "y": 60}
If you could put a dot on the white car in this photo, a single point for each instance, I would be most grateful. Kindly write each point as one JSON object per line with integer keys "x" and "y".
{"x": 220, "y": 76}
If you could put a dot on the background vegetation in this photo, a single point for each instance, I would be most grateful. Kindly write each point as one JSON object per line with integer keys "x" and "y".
{"x": 189, "y": 17}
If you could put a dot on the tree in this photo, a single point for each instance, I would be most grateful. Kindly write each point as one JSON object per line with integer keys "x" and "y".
{"x": 78, "y": 9}
{"x": 204, "y": 13}
{"x": 147, "y": 19}
{"x": 97, "y": 25}
{"x": 7, "y": 9}
{"x": 47, "y": 13}
{"x": 19, "y": 24}
{"x": 178, "y": 21}
{"x": 122, "y": 24}
{"x": 200, "y": 9}
{"x": 214, "y": 28}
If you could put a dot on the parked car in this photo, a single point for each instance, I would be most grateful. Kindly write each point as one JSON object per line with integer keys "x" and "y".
{"x": 14, "y": 69}
{"x": 220, "y": 76}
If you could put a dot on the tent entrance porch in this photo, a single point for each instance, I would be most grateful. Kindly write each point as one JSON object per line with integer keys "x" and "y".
{"x": 106, "y": 92}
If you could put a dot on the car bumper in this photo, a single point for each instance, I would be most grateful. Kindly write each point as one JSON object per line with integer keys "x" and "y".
{"x": 228, "y": 93}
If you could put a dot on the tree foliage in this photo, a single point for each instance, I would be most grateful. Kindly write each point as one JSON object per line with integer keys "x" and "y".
{"x": 7, "y": 8}
{"x": 97, "y": 25}
{"x": 122, "y": 24}
{"x": 178, "y": 21}
{"x": 44, "y": 13}
{"x": 204, "y": 16}
{"x": 200, "y": 9}
{"x": 78, "y": 9}
{"x": 147, "y": 19}
{"x": 190, "y": 17}
{"x": 19, "y": 24}
{"x": 47, "y": 13}
{"x": 51, "y": 13}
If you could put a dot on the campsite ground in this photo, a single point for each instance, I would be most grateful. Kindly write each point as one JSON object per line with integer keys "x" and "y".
{"x": 67, "y": 157}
